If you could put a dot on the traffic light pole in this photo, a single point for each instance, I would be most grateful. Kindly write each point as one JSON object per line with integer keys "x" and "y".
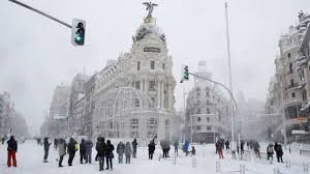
{"x": 230, "y": 93}
{"x": 41, "y": 13}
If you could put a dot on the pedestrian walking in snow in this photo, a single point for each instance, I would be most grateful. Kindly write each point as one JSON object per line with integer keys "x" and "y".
{"x": 193, "y": 152}
{"x": 227, "y": 145}
{"x": 56, "y": 141}
{"x": 151, "y": 149}
{"x": 89, "y": 146}
{"x": 109, "y": 155}
{"x": 176, "y": 147}
{"x": 120, "y": 151}
{"x": 82, "y": 151}
{"x": 101, "y": 151}
{"x": 219, "y": 149}
{"x": 255, "y": 145}
{"x": 72, "y": 148}
{"x": 242, "y": 146}
{"x": 185, "y": 147}
{"x": 46, "y": 146}
{"x": 270, "y": 152}
{"x": 62, "y": 151}
{"x": 128, "y": 152}
{"x": 134, "y": 148}
{"x": 279, "y": 152}
{"x": 12, "y": 150}
{"x": 3, "y": 139}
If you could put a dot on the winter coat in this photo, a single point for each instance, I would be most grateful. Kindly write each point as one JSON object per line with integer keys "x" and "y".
{"x": 62, "y": 148}
{"x": 176, "y": 144}
{"x": 134, "y": 144}
{"x": 46, "y": 144}
{"x": 151, "y": 147}
{"x": 12, "y": 144}
{"x": 128, "y": 150}
{"x": 218, "y": 146}
{"x": 120, "y": 148}
{"x": 109, "y": 149}
{"x": 270, "y": 149}
{"x": 83, "y": 146}
{"x": 72, "y": 146}
{"x": 101, "y": 148}
{"x": 186, "y": 145}
{"x": 89, "y": 146}
{"x": 278, "y": 149}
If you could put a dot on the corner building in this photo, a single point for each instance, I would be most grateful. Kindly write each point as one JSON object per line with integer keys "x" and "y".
{"x": 134, "y": 95}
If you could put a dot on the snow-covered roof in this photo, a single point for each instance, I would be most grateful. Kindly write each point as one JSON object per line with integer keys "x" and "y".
{"x": 148, "y": 28}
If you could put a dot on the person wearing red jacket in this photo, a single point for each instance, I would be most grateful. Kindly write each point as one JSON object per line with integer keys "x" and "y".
{"x": 12, "y": 149}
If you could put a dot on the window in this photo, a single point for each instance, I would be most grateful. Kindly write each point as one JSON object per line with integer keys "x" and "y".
{"x": 207, "y": 89}
{"x": 138, "y": 84}
{"x": 152, "y": 85}
{"x": 208, "y": 94}
{"x": 289, "y": 55}
{"x": 198, "y": 111}
{"x": 137, "y": 103}
{"x": 293, "y": 94}
{"x": 291, "y": 68}
{"x": 198, "y": 128}
{"x": 164, "y": 66}
{"x": 208, "y": 127}
{"x": 134, "y": 123}
{"x": 208, "y": 119}
{"x": 208, "y": 111}
{"x": 138, "y": 65}
{"x": 292, "y": 82}
{"x": 198, "y": 119}
{"x": 197, "y": 89}
{"x": 152, "y": 64}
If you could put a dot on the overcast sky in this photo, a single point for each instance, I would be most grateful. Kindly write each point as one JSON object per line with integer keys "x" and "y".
{"x": 36, "y": 54}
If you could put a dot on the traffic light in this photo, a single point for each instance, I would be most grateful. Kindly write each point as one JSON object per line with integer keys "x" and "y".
{"x": 185, "y": 73}
{"x": 78, "y": 32}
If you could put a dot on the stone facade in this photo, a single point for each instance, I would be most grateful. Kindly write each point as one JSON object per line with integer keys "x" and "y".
{"x": 147, "y": 68}
{"x": 207, "y": 116}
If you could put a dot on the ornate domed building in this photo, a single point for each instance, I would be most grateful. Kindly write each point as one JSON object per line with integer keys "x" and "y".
{"x": 134, "y": 95}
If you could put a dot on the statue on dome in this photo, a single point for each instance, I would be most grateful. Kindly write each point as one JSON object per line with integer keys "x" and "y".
{"x": 150, "y": 7}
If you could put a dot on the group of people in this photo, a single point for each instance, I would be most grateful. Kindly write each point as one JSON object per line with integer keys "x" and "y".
{"x": 278, "y": 149}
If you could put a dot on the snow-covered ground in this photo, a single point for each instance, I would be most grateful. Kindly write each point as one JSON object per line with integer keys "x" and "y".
{"x": 30, "y": 161}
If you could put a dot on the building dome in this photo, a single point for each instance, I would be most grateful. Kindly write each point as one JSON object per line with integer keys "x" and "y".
{"x": 149, "y": 26}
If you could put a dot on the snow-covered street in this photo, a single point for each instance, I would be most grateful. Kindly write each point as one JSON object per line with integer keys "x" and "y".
{"x": 30, "y": 161}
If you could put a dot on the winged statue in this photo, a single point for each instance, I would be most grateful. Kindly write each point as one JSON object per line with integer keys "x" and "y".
{"x": 149, "y": 7}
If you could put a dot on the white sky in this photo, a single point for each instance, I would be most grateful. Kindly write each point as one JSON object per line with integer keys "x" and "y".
{"x": 36, "y": 54}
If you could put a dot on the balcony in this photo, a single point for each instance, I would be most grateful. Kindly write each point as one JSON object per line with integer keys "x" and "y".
{"x": 294, "y": 85}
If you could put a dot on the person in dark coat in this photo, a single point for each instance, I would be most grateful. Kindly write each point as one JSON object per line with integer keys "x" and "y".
{"x": 56, "y": 141}
{"x": 134, "y": 148}
{"x": 151, "y": 149}
{"x": 120, "y": 151}
{"x": 176, "y": 147}
{"x": 89, "y": 145}
{"x": 279, "y": 152}
{"x": 219, "y": 149}
{"x": 109, "y": 155}
{"x": 128, "y": 152}
{"x": 227, "y": 145}
{"x": 72, "y": 148}
{"x": 101, "y": 150}
{"x": 193, "y": 152}
{"x": 242, "y": 146}
{"x": 12, "y": 150}
{"x": 46, "y": 146}
{"x": 3, "y": 139}
{"x": 82, "y": 151}
{"x": 62, "y": 151}
{"x": 185, "y": 147}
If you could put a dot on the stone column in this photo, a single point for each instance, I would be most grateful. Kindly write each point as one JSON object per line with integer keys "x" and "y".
{"x": 170, "y": 97}
{"x": 158, "y": 89}
{"x": 162, "y": 99}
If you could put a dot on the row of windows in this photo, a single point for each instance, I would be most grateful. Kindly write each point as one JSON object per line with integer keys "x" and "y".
{"x": 198, "y": 128}
{"x": 199, "y": 119}
{"x": 152, "y": 65}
